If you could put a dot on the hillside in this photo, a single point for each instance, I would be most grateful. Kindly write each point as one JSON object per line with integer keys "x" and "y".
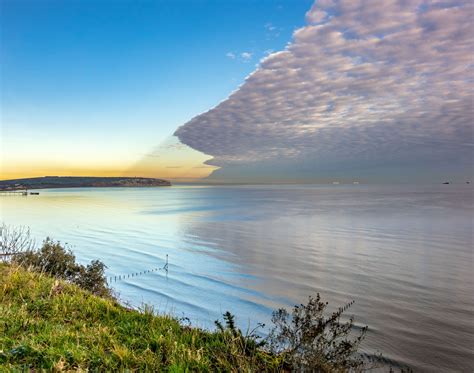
{"x": 80, "y": 182}
{"x": 49, "y": 324}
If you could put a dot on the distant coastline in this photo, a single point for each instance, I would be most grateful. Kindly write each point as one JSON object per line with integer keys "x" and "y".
{"x": 47, "y": 182}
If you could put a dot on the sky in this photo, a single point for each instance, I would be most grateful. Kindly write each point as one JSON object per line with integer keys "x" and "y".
{"x": 238, "y": 91}
{"x": 93, "y": 87}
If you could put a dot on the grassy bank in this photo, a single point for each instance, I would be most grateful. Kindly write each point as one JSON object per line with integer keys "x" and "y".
{"x": 48, "y": 323}
{"x": 57, "y": 314}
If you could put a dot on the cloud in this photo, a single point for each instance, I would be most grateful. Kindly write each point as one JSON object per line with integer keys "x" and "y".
{"x": 315, "y": 16}
{"x": 364, "y": 84}
{"x": 272, "y": 31}
{"x": 175, "y": 146}
{"x": 269, "y": 27}
{"x": 246, "y": 56}
{"x": 242, "y": 57}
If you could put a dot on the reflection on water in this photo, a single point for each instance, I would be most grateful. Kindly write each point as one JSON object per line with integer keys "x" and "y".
{"x": 404, "y": 253}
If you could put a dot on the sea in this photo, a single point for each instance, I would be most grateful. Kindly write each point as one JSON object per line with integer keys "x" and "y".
{"x": 402, "y": 253}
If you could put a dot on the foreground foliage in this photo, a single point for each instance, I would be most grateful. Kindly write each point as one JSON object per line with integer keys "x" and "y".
{"x": 48, "y": 323}
{"x": 308, "y": 340}
{"x": 51, "y": 324}
{"x": 56, "y": 314}
{"x": 53, "y": 259}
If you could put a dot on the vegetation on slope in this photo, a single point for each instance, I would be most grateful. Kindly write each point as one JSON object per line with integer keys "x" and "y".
{"x": 50, "y": 318}
{"x": 48, "y": 323}
{"x": 80, "y": 182}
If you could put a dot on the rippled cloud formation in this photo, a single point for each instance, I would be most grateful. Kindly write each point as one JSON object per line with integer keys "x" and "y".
{"x": 364, "y": 85}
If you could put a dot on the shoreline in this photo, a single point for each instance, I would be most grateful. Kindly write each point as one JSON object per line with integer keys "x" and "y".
{"x": 55, "y": 182}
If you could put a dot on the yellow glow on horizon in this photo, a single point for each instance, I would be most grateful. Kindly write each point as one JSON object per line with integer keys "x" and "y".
{"x": 171, "y": 160}
{"x": 174, "y": 160}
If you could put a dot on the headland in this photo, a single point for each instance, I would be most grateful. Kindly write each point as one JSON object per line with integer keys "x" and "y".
{"x": 47, "y": 182}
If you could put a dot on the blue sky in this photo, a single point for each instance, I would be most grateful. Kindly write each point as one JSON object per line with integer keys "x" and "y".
{"x": 117, "y": 74}
{"x": 259, "y": 91}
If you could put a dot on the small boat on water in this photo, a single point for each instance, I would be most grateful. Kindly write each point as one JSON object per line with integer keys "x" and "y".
{"x": 34, "y": 193}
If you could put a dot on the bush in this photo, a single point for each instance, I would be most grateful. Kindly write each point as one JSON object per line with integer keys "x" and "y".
{"x": 92, "y": 278}
{"x": 13, "y": 241}
{"x": 305, "y": 341}
{"x": 52, "y": 258}
{"x": 247, "y": 344}
{"x": 309, "y": 341}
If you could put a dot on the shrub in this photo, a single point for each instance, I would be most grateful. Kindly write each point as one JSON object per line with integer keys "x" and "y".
{"x": 249, "y": 342}
{"x": 243, "y": 350}
{"x": 309, "y": 341}
{"x": 14, "y": 240}
{"x": 92, "y": 278}
{"x": 304, "y": 341}
{"x": 52, "y": 258}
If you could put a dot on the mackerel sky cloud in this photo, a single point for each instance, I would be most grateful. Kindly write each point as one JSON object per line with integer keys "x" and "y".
{"x": 364, "y": 85}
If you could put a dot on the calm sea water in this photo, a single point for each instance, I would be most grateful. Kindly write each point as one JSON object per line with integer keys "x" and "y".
{"x": 403, "y": 253}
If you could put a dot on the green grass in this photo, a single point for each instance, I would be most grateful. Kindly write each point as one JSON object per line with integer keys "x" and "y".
{"x": 49, "y": 324}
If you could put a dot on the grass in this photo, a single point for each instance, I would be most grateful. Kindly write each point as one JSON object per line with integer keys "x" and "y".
{"x": 56, "y": 314}
{"x": 46, "y": 323}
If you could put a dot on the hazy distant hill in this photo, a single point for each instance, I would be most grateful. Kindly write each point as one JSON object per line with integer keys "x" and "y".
{"x": 80, "y": 182}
